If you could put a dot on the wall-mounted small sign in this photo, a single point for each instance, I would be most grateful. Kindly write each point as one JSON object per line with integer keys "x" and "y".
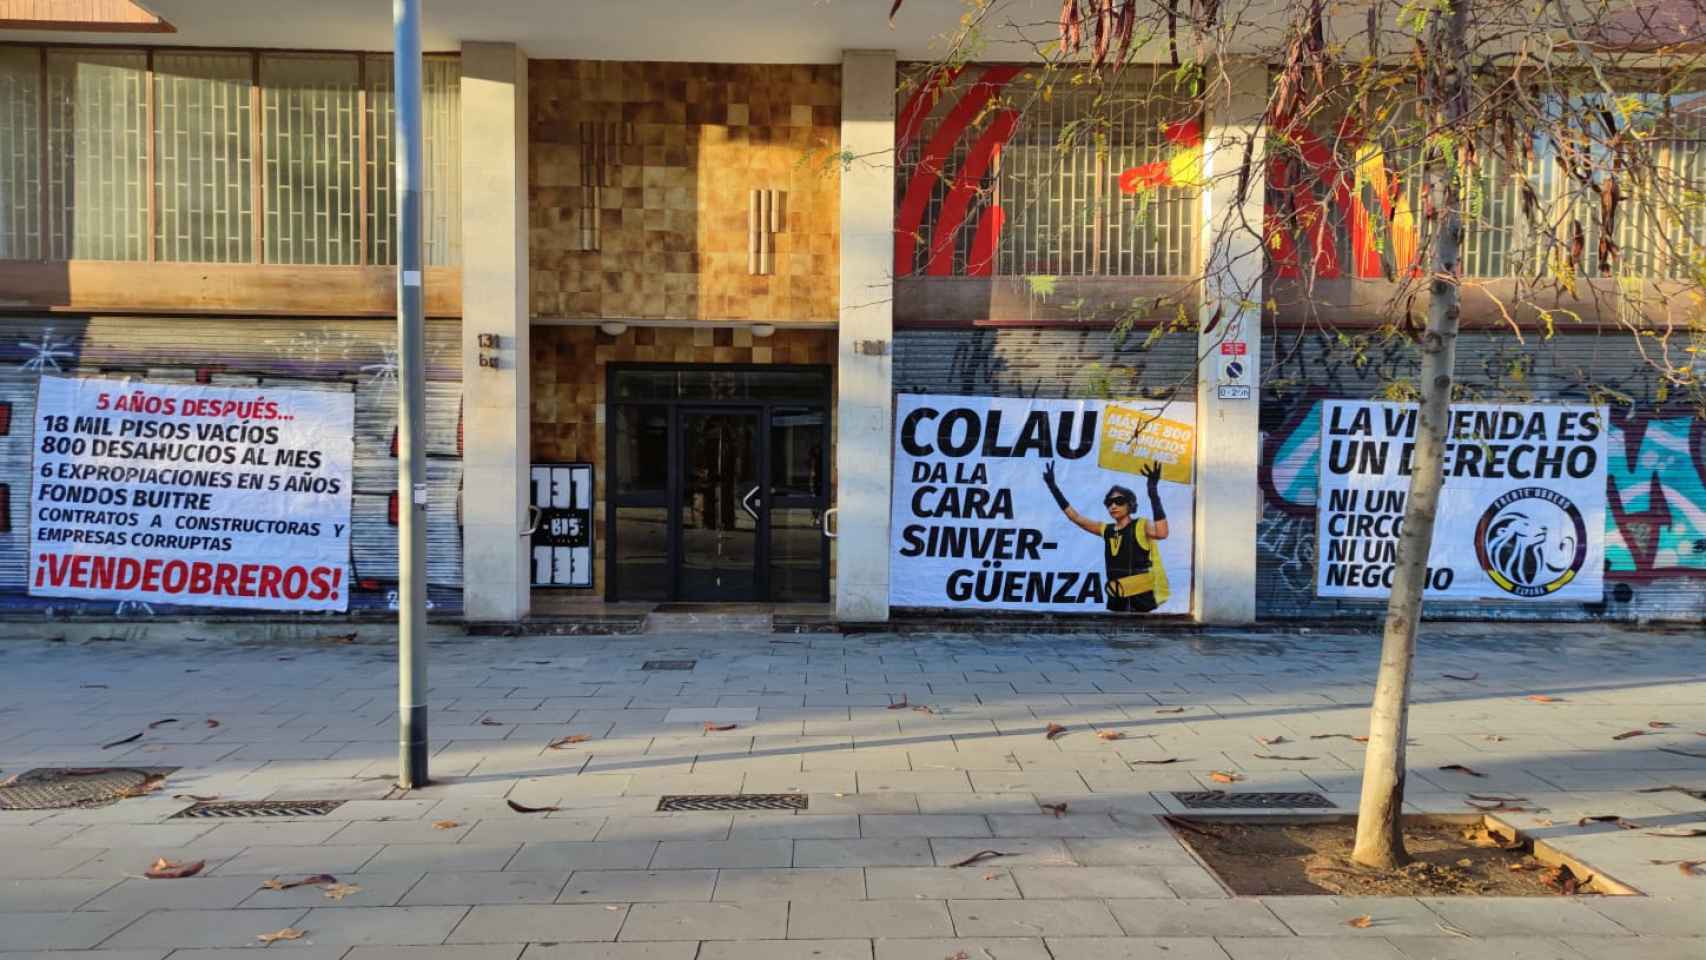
{"x": 489, "y": 344}
{"x": 562, "y": 541}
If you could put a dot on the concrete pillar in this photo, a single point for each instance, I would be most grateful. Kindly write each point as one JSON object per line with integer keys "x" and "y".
{"x": 1229, "y": 500}
{"x": 864, "y": 398}
{"x": 495, "y": 418}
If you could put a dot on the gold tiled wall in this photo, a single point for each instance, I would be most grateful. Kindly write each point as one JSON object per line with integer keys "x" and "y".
{"x": 569, "y": 375}
{"x": 680, "y": 147}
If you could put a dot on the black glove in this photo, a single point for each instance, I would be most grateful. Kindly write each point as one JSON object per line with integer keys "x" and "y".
{"x": 1048, "y": 478}
{"x": 1152, "y": 473}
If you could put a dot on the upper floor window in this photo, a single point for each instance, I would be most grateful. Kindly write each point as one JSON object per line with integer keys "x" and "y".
{"x": 1003, "y": 171}
{"x": 216, "y": 156}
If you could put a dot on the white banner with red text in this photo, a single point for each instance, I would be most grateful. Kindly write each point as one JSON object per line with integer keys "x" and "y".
{"x": 192, "y": 494}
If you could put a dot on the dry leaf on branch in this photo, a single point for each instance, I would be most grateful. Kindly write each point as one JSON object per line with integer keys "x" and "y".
{"x": 288, "y": 933}
{"x": 1543, "y": 698}
{"x": 978, "y": 856}
{"x": 519, "y": 808}
{"x": 1220, "y": 776}
{"x": 445, "y": 824}
{"x": 1361, "y": 923}
{"x": 1058, "y": 809}
{"x": 1171, "y": 710}
{"x": 338, "y": 891}
{"x": 1460, "y": 768}
{"x": 718, "y": 727}
{"x": 119, "y": 743}
{"x": 1465, "y": 677}
{"x": 489, "y": 722}
{"x": 164, "y": 869}
{"x": 562, "y": 742}
{"x": 1625, "y": 735}
{"x": 1109, "y": 735}
{"x": 1053, "y": 730}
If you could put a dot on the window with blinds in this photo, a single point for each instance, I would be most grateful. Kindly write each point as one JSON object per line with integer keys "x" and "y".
{"x": 216, "y": 156}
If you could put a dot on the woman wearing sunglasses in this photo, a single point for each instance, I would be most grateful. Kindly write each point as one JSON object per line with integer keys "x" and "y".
{"x": 1136, "y": 579}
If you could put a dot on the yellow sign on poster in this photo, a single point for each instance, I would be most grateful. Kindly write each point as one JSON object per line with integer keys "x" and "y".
{"x": 1133, "y": 439}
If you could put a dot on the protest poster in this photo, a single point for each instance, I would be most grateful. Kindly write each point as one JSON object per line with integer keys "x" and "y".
{"x": 1060, "y": 506}
{"x": 191, "y": 494}
{"x": 1521, "y": 514}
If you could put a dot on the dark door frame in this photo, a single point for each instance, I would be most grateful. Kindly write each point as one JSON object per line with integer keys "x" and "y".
{"x": 670, "y": 498}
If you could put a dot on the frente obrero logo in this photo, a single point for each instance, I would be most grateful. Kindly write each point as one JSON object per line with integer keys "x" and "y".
{"x": 1531, "y": 541}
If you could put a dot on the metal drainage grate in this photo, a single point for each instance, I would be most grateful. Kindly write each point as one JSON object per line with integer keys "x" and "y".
{"x": 734, "y": 801}
{"x": 220, "y": 809}
{"x": 57, "y": 788}
{"x": 669, "y": 664}
{"x": 1208, "y": 799}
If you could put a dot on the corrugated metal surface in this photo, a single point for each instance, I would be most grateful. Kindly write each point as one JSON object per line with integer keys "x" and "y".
{"x": 354, "y": 355}
{"x": 1656, "y": 485}
{"x": 1029, "y": 362}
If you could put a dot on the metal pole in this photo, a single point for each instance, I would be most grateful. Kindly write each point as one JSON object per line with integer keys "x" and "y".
{"x": 411, "y": 465}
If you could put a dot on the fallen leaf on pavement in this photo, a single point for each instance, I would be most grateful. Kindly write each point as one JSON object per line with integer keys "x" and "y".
{"x": 1053, "y": 730}
{"x": 339, "y": 638}
{"x": 901, "y": 705}
{"x": 1171, "y": 710}
{"x": 93, "y": 686}
{"x": 445, "y": 824}
{"x": 1685, "y": 832}
{"x": 1660, "y": 724}
{"x": 1158, "y": 762}
{"x": 161, "y": 723}
{"x": 1543, "y": 698}
{"x": 1630, "y": 733}
{"x": 1497, "y": 807}
{"x": 1361, "y": 923}
{"x": 489, "y": 722}
{"x": 1058, "y": 809}
{"x": 338, "y": 891}
{"x": 1460, "y": 768}
{"x": 196, "y": 797}
{"x": 1520, "y": 867}
{"x": 1271, "y": 741}
{"x": 961, "y": 955}
{"x": 1481, "y": 835}
{"x": 118, "y": 743}
{"x": 211, "y": 723}
{"x": 1493, "y": 738}
{"x": 717, "y": 727}
{"x": 1219, "y": 776}
{"x": 1690, "y": 868}
{"x": 978, "y": 856}
{"x": 1275, "y": 756}
{"x": 921, "y": 708}
{"x": 1337, "y": 736}
{"x": 164, "y": 869}
{"x": 317, "y": 880}
{"x": 1564, "y": 880}
{"x": 519, "y": 808}
{"x": 562, "y": 742}
{"x": 1609, "y": 818}
{"x": 1465, "y": 677}
{"x": 1496, "y": 798}
{"x": 1109, "y": 735}
{"x": 288, "y": 933}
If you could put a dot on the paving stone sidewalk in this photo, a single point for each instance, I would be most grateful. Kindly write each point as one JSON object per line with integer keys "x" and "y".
{"x": 896, "y": 796}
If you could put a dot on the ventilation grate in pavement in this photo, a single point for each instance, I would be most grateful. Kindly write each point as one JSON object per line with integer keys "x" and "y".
{"x": 222, "y": 809}
{"x": 669, "y": 664}
{"x": 57, "y": 788}
{"x": 1252, "y": 800}
{"x": 734, "y": 801}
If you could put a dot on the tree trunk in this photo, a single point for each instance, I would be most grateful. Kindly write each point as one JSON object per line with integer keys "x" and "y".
{"x": 1379, "y": 836}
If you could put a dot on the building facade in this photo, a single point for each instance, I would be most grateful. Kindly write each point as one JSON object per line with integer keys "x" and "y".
{"x": 675, "y": 287}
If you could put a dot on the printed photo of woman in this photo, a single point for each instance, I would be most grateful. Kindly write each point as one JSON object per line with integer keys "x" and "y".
{"x": 1136, "y": 579}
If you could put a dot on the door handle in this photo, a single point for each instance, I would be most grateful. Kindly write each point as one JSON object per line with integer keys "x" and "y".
{"x": 746, "y": 502}
{"x": 534, "y": 516}
{"x": 826, "y": 515}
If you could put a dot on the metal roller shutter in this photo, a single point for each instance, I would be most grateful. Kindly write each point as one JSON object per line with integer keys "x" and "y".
{"x": 1052, "y": 363}
{"x": 1656, "y": 521}
{"x": 326, "y": 354}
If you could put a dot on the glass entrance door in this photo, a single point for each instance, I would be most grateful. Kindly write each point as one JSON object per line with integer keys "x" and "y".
{"x": 722, "y": 504}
